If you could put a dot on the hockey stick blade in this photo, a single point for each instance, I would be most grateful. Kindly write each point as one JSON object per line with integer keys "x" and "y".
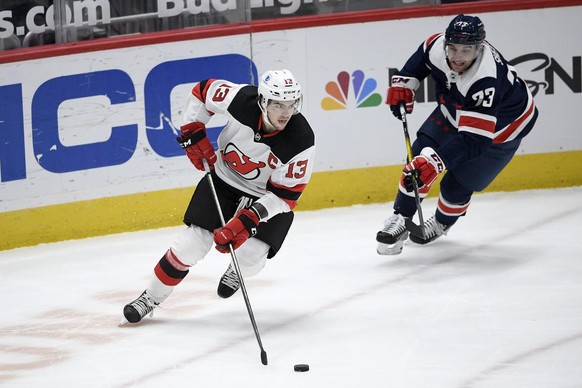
{"x": 264, "y": 357}
{"x": 414, "y": 229}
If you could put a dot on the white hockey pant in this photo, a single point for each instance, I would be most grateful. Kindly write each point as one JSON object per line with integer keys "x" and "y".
{"x": 193, "y": 244}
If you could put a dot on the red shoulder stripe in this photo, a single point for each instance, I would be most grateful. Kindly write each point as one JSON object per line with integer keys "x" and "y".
{"x": 201, "y": 93}
{"x": 431, "y": 39}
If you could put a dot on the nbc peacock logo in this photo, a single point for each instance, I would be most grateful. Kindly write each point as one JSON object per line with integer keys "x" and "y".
{"x": 360, "y": 95}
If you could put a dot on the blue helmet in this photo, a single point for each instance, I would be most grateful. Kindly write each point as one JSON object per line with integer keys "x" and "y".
{"x": 465, "y": 30}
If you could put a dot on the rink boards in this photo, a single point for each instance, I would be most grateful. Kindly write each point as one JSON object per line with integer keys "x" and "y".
{"x": 87, "y": 131}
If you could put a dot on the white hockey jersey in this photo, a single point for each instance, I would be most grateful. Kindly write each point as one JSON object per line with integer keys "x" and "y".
{"x": 275, "y": 168}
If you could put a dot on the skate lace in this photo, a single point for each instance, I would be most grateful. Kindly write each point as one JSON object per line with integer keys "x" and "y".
{"x": 433, "y": 228}
{"x": 230, "y": 279}
{"x": 144, "y": 305}
{"x": 394, "y": 225}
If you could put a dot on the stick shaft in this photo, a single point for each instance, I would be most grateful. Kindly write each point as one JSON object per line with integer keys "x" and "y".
{"x": 236, "y": 265}
{"x": 409, "y": 157}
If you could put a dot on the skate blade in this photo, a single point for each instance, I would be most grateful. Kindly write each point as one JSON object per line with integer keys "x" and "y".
{"x": 390, "y": 249}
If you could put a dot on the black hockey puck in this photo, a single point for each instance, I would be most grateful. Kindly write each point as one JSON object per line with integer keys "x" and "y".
{"x": 301, "y": 368}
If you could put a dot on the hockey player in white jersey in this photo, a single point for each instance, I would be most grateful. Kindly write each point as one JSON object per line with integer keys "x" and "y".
{"x": 262, "y": 165}
{"x": 484, "y": 111}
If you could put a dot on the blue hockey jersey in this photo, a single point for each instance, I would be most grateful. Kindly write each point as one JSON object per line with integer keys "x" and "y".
{"x": 486, "y": 104}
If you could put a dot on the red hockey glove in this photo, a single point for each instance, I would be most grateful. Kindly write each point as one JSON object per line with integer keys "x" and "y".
{"x": 402, "y": 92}
{"x": 427, "y": 166}
{"x": 236, "y": 231}
{"x": 197, "y": 146}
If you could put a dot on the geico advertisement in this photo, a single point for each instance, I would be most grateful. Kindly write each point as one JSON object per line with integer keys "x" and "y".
{"x": 104, "y": 124}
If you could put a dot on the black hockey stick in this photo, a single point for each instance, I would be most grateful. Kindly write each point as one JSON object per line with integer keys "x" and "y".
{"x": 236, "y": 266}
{"x": 417, "y": 230}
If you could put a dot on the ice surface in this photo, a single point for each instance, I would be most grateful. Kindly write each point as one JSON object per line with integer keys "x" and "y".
{"x": 496, "y": 303}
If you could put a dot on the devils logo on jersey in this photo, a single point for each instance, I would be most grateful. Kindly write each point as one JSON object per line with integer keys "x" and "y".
{"x": 241, "y": 163}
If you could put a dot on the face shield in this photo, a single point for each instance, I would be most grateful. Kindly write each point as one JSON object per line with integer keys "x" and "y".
{"x": 285, "y": 108}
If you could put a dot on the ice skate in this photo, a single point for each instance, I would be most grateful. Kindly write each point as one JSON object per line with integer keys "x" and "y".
{"x": 229, "y": 283}
{"x": 139, "y": 308}
{"x": 392, "y": 236}
{"x": 432, "y": 230}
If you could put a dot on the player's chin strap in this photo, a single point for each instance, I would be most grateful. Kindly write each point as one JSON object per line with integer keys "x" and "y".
{"x": 235, "y": 263}
{"x": 418, "y": 230}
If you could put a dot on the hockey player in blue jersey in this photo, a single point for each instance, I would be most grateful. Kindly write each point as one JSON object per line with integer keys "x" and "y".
{"x": 484, "y": 110}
